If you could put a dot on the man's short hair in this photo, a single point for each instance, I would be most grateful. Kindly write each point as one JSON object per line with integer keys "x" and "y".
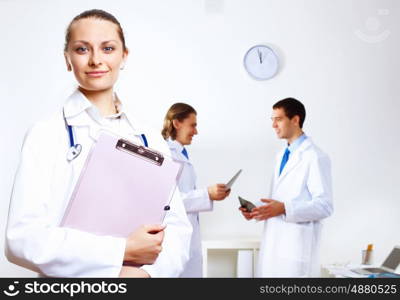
{"x": 292, "y": 107}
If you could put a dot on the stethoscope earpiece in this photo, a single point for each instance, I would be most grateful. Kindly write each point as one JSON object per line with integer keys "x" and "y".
{"x": 73, "y": 152}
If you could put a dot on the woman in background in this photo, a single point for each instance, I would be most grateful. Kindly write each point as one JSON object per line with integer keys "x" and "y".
{"x": 180, "y": 125}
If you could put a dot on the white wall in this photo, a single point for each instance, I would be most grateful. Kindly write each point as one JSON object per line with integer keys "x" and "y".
{"x": 192, "y": 51}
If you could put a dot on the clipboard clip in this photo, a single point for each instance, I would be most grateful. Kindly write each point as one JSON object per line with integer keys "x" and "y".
{"x": 140, "y": 151}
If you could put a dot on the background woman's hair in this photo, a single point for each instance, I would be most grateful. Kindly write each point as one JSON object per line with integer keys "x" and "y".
{"x": 178, "y": 111}
{"x": 96, "y": 14}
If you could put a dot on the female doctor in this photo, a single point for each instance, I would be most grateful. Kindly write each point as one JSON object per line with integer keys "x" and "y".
{"x": 53, "y": 155}
{"x": 180, "y": 125}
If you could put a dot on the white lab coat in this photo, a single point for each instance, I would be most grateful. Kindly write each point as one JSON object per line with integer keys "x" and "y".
{"x": 290, "y": 242}
{"x": 195, "y": 201}
{"x": 42, "y": 188}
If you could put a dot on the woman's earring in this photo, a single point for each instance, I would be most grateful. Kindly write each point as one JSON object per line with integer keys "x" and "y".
{"x": 121, "y": 68}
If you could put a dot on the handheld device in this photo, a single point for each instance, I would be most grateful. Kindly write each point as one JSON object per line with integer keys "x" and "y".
{"x": 233, "y": 179}
{"x": 246, "y": 204}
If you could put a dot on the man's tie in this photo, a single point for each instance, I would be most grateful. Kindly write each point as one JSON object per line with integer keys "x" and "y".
{"x": 184, "y": 152}
{"x": 285, "y": 158}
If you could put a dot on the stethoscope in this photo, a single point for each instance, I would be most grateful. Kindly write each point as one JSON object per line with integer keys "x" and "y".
{"x": 76, "y": 149}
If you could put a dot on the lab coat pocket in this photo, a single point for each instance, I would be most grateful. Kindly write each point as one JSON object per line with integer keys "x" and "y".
{"x": 296, "y": 241}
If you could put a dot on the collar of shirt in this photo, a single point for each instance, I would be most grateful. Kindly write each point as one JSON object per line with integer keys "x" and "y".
{"x": 77, "y": 104}
{"x": 296, "y": 143}
{"x": 174, "y": 144}
{"x": 94, "y": 113}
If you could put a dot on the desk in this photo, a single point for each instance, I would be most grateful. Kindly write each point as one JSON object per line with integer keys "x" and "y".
{"x": 234, "y": 245}
{"x": 343, "y": 270}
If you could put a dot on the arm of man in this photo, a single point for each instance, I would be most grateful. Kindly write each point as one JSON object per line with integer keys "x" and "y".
{"x": 272, "y": 208}
{"x": 319, "y": 207}
{"x": 319, "y": 185}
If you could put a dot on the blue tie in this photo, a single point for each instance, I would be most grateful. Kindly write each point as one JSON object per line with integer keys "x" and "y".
{"x": 184, "y": 152}
{"x": 285, "y": 158}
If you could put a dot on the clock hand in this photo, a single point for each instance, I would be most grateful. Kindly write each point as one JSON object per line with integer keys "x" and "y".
{"x": 259, "y": 55}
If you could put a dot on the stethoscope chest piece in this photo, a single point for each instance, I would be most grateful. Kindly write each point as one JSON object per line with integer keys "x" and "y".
{"x": 74, "y": 151}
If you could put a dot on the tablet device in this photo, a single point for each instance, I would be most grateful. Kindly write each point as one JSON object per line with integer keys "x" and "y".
{"x": 233, "y": 179}
{"x": 246, "y": 204}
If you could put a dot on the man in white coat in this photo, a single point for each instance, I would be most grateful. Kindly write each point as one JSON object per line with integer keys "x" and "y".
{"x": 300, "y": 197}
{"x": 180, "y": 125}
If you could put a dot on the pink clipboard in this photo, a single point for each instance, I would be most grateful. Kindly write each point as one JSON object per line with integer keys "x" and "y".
{"x": 121, "y": 187}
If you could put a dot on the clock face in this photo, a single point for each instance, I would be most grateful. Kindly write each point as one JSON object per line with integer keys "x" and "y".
{"x": 261, "y": 62}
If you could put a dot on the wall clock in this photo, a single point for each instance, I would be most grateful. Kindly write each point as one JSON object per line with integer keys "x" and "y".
{"x": 261, "y": 62}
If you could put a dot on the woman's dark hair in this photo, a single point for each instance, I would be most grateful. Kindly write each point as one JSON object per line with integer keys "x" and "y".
{"x": 96, "y": 14}
{"x": 178, "y": 111}
{"x": 292, "y": 107}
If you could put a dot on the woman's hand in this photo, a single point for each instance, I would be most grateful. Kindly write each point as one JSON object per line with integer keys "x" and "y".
{"x": 144, "y": 244}
{"x": 218, "y": 191}
{"x": 133, "y": 272}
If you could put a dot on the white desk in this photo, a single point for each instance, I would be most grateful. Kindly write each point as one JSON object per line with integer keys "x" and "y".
{"x": 343, "y": 271}
{"x": 235, "y": 245}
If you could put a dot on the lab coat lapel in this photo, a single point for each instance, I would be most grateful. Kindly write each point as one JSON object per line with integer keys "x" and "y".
{"x": 183, "y": 158}
{"x": 76, "y": 104}
{"x": 76, "y": 115}
{"x": 177, "y": 148}
{"x": 277, "y": 165}
{"x": 294, "y": 160}
{"x": 136, "y": 126}
{"x": 135, "y": 123}
{"x": 83, "y": 120}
